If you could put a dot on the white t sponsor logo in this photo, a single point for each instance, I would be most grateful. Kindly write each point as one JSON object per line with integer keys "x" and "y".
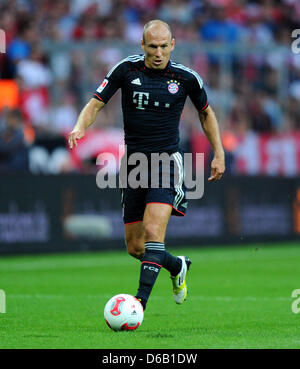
{"x": 140, "y": 100}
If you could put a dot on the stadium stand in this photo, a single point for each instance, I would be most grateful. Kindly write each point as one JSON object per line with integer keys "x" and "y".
{"x": 59, "y": 51}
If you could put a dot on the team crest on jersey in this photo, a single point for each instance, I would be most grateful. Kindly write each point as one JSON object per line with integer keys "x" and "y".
{"x": 173, "y": 86}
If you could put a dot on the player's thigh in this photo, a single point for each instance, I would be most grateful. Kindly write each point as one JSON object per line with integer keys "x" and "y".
{"x": 135, "y": 238}
{"x": 156, "y": 218}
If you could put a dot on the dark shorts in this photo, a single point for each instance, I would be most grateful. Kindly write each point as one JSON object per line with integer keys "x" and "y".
{"x": 134, "y": 200}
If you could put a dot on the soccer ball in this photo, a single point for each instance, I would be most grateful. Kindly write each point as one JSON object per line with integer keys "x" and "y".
{"x": 123, "y": 313}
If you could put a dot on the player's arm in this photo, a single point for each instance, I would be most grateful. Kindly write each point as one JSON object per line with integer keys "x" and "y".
{"x": 86, "y": 118}
{"x": 102, "y": 95}
{"x": 211, "y": 129}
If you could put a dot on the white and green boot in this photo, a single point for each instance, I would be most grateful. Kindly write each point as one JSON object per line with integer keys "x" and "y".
{"x": 179, "y": 282}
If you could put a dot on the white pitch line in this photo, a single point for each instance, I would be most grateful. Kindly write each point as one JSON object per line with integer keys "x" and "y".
{"x": 204, "y": 298}
{"x": 40, "y": 265}
{"x": 40, "y": 296}
{"x": 78, "y": 264}
{"x": 239, "y": 298}
{"x": 262, "y": 255}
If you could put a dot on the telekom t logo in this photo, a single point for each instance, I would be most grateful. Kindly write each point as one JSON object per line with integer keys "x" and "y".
{"x": 2, "y": 302}
{"x": 2, "y": 42}
{"x": 139, "y": 100}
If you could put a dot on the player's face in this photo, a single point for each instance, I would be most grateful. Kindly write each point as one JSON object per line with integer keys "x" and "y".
{"x": 157, "y": 47}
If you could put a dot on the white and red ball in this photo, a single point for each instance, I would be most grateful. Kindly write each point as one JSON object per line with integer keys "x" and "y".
{"x": 123, "y": 313}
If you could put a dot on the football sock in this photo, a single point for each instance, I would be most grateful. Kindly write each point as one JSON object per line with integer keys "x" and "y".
{"x": 154, "y": 259}
{"x": 150, "y": 267}
{"x": 172, "y": 264}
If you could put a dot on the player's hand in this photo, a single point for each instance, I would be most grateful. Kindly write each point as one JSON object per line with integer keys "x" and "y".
{"x": 74, "y": 136}
{"x": 217, "y": 169}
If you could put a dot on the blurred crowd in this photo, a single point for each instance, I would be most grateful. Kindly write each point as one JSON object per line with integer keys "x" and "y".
{"x": 258, "y": 92}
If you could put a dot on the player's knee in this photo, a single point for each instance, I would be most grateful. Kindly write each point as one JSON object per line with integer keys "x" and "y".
{"x": 135, "y": 248}
{"x": 152, "y": 231}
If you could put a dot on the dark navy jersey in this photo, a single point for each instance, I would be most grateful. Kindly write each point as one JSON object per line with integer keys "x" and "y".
{"x": 152, "y": 101}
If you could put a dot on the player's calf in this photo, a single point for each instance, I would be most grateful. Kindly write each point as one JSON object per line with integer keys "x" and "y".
{"x": 135, "y": 239}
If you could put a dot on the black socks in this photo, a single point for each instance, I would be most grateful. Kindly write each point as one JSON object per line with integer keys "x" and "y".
{"x": 150, "y": 267}
{"x": 154, "y": 259}
{"x": 172, "y": 264}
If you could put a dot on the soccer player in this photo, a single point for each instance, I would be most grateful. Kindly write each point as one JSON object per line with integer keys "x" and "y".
{"x": 154, "y": 90}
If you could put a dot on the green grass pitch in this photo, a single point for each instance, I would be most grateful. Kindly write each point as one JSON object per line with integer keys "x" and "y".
{"x": 239, "y": 297}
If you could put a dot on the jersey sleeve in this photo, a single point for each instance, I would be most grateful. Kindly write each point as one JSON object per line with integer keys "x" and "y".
{"x": 197, "y": 92}
{"x": 110, "y": 84}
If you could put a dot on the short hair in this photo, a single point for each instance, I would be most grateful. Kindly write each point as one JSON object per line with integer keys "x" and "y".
{"x": 150, "y": 23}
